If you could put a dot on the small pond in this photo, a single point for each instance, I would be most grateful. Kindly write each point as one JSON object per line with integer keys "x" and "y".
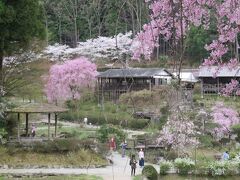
{"x": 176, "y": 177}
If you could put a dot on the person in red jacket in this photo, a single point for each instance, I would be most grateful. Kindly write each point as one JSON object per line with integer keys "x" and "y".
{"x": 112, "y": 144}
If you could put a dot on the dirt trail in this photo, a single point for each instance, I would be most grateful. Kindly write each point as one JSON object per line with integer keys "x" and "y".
{"x": 120, "y": 170}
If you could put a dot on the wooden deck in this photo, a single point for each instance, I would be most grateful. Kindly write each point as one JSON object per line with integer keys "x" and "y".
{"x": 143, "y": 144}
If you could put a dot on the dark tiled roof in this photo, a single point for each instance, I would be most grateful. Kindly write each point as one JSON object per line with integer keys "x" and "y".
{"x": 37, "y": 108}
{"x": 222, "y": 72}
{"x": 134, "y": 72}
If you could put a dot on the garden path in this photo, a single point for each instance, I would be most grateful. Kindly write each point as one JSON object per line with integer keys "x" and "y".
{"x": 119, "y": 170}
{"x": 129, "y": 132}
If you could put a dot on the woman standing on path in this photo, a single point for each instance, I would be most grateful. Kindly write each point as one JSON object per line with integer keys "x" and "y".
{"x": 133, "y": 164}
{"x": 141, "y": 158}
{"x": 123, "y": 146}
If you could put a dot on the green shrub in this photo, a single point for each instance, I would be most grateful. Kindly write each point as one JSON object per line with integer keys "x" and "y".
{"x": 96, "y": 118}
{"x": 137, "y": 123}
{"x": 223, "y": 168}
{"x": 3, "y": 134}
{"x": 171, "y": 155}
{"x": 71, "y": 116}
{"x": 165, "y": 166}
{"x": 150, "y": 172}
{"x": 184, "y": 165}
{"x": 236, "y": 130}
{"x": 136, "y": 97}
{"x": 61, "y": 145}
{"x": 206, "y": 140}
{"x": 11, "y": 124}
{"x": 110, "y": 114}
{"x": 105, "y": 131}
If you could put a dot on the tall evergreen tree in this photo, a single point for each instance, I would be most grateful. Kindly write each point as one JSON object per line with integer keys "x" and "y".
{"x": 20, "y": 22}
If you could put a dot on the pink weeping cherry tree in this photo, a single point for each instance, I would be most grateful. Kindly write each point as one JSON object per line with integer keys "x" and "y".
{"x": 172, "y": 20}
{"x": 225, "y": 118}
{"x": 67, "y": 81}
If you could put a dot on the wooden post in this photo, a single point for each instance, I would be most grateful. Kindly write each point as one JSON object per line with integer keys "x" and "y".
{"x": 55, "y": 125}
{"x": 49, "y": 116}
{"x": 18, "y": 131}
{"x": 150, "y": 85}
{"x": 27, "y": 124}
{"x": 218, "y": 86}
{"x": 202, "y": 88}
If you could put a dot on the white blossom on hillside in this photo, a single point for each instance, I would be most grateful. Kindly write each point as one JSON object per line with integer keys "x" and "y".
{"x": 25, "y": 57}
{"x": 102, "y": 47}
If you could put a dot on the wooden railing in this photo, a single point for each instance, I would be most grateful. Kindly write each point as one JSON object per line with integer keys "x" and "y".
{"x": 213, "y": 88}
{"x": 132, "y": 87}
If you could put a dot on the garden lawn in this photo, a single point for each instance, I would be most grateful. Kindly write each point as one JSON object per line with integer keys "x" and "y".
{"x": 76, "y": 132}
{"x": 109, "y": 113}
{"x": 81, "y": 158}
{"x": 81, "y": 177}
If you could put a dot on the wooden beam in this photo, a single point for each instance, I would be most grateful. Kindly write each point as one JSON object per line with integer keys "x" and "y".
{"x": 55, "y": 125}
{"x": 49, "y": 117}
{"x": 18, "y": 124}
{"x": 27, "y": 124}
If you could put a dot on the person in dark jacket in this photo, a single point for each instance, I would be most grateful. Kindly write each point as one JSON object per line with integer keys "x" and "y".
{"x": 133, "y": 164}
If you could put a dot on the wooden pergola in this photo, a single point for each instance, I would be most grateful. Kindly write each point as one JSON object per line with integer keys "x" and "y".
{"x": 42, "y": 108}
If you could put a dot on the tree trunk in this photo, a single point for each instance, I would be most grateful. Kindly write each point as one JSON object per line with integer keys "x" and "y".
{"x": 1, "y": 61}
{"x": 1, "y": 71}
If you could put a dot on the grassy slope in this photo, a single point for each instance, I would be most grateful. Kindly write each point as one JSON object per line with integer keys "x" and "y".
{"x": 21, "y": 158}
{"x": 210, "y": 100}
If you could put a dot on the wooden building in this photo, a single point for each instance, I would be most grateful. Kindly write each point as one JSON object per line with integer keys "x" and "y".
{"x": 213, "y": 80}
{"x": 113, "y": 82}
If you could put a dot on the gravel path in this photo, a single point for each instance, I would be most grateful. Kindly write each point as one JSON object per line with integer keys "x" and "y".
{"x": 120, "y": 170}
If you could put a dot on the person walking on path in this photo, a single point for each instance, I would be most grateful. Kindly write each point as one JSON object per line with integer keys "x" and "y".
{"x": 123, "y": 146}
{"x": 141, "y": 158}
{"x": 133, "y": 164}
{"x": 225, "y": 156}
{"x": 112, "y": 144}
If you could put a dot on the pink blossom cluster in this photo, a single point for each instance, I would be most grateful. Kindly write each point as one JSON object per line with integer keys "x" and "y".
{"x": 168, "y": 21}
{"x": 67, "y": 80}
{"x": 227, "y": 13}
{"x": 178, "y": 133}
{"x": 231, "y": 88}
{"x": 224, "y": 117}
{"x": 172, "y": 19}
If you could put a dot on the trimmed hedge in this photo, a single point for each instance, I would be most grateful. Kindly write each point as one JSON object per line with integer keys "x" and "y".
{"x": 61, "y": 145}
{"x": 150, "y": 172}
{"x": 98, "y": 118}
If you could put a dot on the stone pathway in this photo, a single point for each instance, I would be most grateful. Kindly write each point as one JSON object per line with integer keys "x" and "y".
{"x": 120, "y": 170}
